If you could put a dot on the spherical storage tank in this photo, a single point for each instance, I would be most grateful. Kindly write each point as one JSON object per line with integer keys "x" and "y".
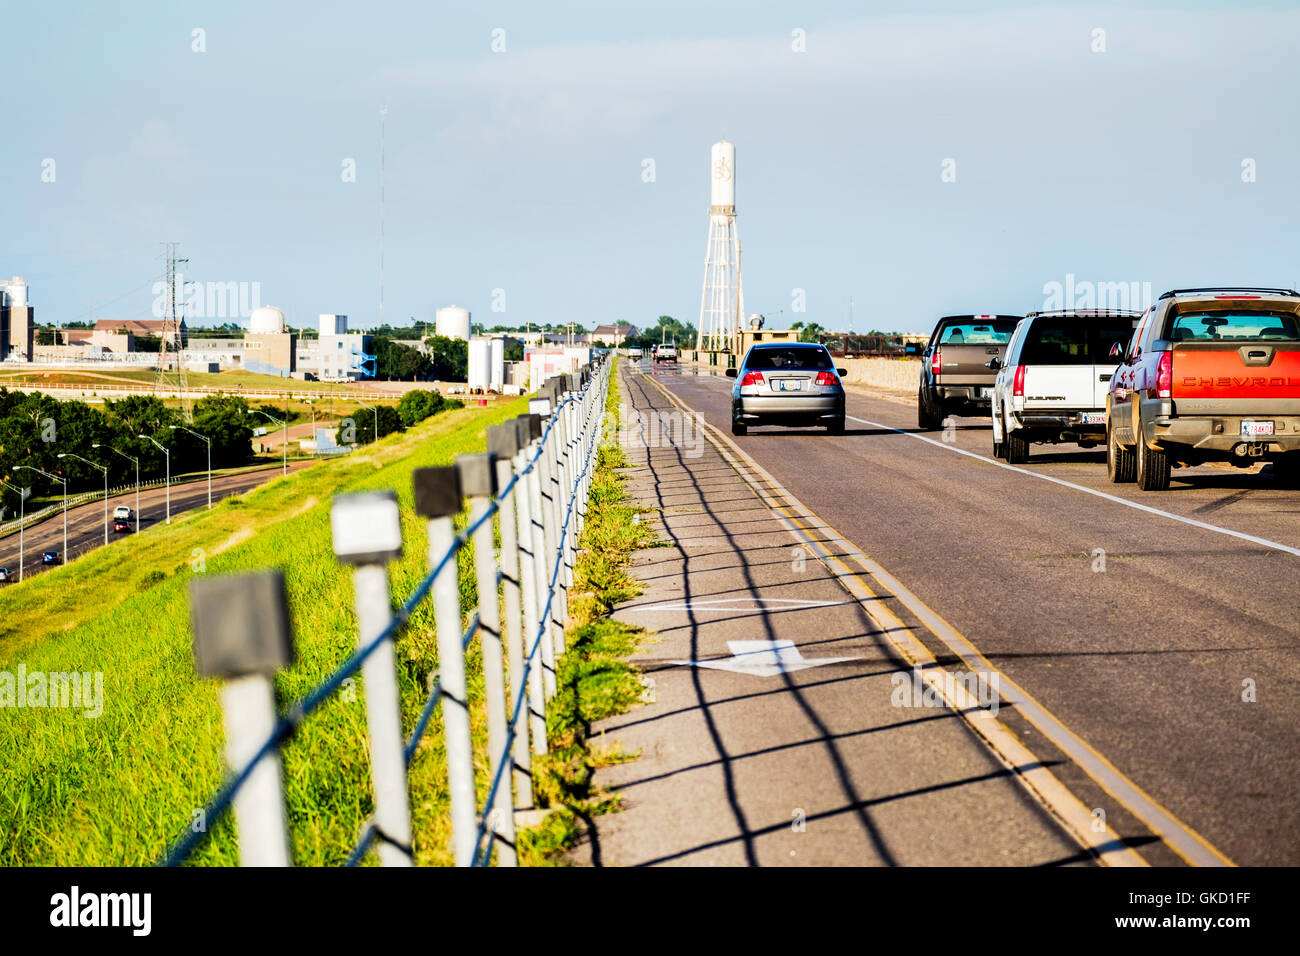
{"x": 266, "y": 320}
{"x": 722, "y": 176}
{"x": 453, "y": 322}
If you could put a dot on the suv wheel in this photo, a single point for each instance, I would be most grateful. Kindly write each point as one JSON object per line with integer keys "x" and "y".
{"x": 928, "y": 419}
{"x": 1017, "y": 449}
{"x": 1119, "y": 460}
{"x": 1152, "y": 468}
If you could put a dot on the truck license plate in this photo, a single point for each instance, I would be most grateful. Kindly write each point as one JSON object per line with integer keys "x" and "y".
{"x": 1094, "y": 418}
{"x": 1256, "y": 428}
{"x": 789, "y": 384}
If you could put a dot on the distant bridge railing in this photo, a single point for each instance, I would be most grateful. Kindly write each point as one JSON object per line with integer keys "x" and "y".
{"x": 534, "y": 483}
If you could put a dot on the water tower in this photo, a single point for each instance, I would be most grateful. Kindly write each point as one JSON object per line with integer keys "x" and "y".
{"x": 722, "y": 301}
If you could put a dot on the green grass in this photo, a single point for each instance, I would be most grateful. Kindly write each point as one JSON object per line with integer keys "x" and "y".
{"x": 116, "y": 790}
{"x": 228, "y": 379}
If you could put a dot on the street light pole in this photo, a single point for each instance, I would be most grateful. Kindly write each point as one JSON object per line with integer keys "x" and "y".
{"x": 168, "y": 453}
{"x": 284, "y": 450}
{"x": 104, "y": 469}
{"x": 62, "y": 481}
{"x": 22, "y": 508}
{"x": 376, "y": 417}
{"x": 209, "y": 442}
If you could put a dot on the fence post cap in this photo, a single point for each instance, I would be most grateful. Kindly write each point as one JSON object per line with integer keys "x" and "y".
{"x": 367, "y": 527}
{"x": 574, "y": 381}
{"x": 477, "y": 474}
{"x": 437, "y": 491}
{"x": 241, "y": 624}
{"x": 532, "y": 422}
{"x": 503, "y": 440}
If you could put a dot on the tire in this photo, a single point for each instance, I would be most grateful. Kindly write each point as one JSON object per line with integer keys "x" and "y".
{"x": 836, "y": 427}
{"x": 1017, "y": 449}
{"x": 928, "y": 419}
{"x": 1152, "y": 468}
{"x": 1286, "y": 471}
{"x": 1120, "y": 466}
{"x": 739, "y": 428}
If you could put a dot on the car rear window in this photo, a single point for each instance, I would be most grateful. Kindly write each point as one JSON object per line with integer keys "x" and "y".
{"x": 978, "y": 333}
{"x": 1227, "y": 326}
{"x": 775, "y": 358}
{"x": 1074, "y": 342}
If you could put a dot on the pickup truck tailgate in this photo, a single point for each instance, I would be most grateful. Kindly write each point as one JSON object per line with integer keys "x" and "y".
{"x": 965, "y": 364}
{"x": 1234, "y": 378}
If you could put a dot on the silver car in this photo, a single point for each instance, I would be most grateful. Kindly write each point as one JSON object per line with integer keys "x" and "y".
{"x": 787, "y": 383}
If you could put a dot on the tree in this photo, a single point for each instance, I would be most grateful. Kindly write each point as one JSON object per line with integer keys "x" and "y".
{"x": 809, "y": 332}
{"x": 360, "y": 429}
{"x": 400, "y": 362}
{"x": 225, "y": 420}
{"x": 450, "y": 358}
{"x": 416, "y": 406}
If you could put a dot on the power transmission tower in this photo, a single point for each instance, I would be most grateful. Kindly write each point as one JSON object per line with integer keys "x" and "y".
{"x": 172, "y": 336}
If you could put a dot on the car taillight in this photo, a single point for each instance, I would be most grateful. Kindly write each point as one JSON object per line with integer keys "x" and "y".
{"x": 936, "y": 362}
{"x": 827, "y": 378}
{"x": 1165, "y": 375}
{"x": 752, "y": 378}
{"x": 1018, "y": 383}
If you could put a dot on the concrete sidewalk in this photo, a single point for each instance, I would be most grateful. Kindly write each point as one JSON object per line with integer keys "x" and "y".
{"x": 758, "y": 759}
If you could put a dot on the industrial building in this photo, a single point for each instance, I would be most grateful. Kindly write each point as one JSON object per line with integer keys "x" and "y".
{"x": 17, "y": 322}
{"x": 338, "y": 355}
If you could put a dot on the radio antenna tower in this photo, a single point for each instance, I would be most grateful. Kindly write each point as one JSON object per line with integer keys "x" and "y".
{"x": 722, "y": 300}
{"x": 172, "y": 337}
{"x": 383, "y": 114}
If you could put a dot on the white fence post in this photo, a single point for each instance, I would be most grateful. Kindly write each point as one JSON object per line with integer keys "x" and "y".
{"x": 367, "y": 532}
{"x": 531, "y": 577}
{"x": 438, "y": 498}
{"x": 242, "y": 635}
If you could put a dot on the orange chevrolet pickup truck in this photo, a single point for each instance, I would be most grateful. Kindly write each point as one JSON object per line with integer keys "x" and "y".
{"x": 1209, "y": 375}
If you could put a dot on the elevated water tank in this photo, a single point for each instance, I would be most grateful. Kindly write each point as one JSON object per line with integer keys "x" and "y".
{"x": 266, "y": 320}
{"x": 453, "y": 322}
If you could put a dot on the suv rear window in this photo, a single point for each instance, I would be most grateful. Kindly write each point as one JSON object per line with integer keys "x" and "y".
{"x": 1074, "y": 342}
{"x": 1211, "y": 326}
{"x": 978, "y": 333}
{"x": 776, "y": 358}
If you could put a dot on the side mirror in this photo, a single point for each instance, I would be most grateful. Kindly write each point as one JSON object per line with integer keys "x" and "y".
{"x": 731, "y": 373}
{"x": 1116, "y": 350}
{"x": 841, "y": 372}
{"x": 994, "y": 363}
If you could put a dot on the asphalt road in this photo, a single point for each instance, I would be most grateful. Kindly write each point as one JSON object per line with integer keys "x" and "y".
{"x": 1140, "y": 621}
{"x": 86, "y": 522}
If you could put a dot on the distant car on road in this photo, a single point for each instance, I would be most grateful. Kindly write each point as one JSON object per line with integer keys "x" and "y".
{"x": 1209, "y": 375}
{"x": 634, "y": 354}
{"x": 955, "y": 376}
{"x": 122, "y": 511}
{"x": 50, "y": 557}
{"x": 665, "y": 353}
{"x": 121, "y": 524}
{"x": 4, "y": 574}
{"x": 1051, "y": 384}
{"x": 787, "y": 383}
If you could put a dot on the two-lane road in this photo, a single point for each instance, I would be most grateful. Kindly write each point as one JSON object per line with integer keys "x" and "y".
{"x": 1163, "y": 629}
{"x": 86, "y": 522}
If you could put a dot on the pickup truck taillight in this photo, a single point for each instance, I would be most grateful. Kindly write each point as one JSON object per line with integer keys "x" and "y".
{"x": 752, "y": 378}
{"x": 1165, "y": 375}
{"x": 1018, "y": 382}
{"x": 827, "y": 378}
{"x": 936, "y": 362}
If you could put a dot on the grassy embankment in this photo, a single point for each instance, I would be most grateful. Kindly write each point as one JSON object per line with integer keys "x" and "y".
{"x": 117, "y": 789}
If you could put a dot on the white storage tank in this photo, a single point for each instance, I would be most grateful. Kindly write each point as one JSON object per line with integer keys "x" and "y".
{"x": 480, "y": 357}
{"x": 497, "y": 365}
{"x": 266, "y": 320}
{"x": 453, "y": 322}
{"x": 722, "y": 180}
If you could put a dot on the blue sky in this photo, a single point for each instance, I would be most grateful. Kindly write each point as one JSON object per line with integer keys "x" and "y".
{"x": 522, "y": 170}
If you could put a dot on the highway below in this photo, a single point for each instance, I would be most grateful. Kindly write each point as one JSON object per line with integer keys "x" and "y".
{"x": 86, "y": 522}
{"x": 1155, "y": 637}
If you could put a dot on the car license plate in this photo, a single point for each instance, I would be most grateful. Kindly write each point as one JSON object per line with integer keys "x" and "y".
{"x": 1256, "y": 428}
{"x": 1094, "y": 418}
{"x": 789, "y": 384}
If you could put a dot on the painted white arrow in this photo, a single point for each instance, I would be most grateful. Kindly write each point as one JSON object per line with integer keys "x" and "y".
{"x": 764, "y": 659}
